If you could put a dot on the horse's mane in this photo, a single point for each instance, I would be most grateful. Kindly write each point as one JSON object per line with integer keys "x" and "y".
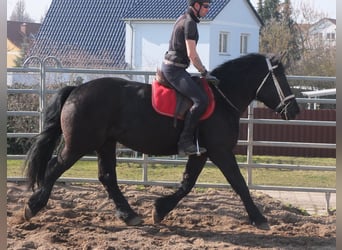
{"x": 235, "y": 66}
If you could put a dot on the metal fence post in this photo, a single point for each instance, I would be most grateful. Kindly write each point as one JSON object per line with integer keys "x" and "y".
{"x": 41, "y": 96}
{"x": 327, "y": 199}
{"x": 144, "y": 168}
{"x": 43, "y": 87}
{"x": 250, "y": 143}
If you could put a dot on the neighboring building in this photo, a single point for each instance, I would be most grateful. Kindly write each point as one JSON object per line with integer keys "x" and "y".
{"x": 135, "y": 34}
{"x": 20, "y": 36}
{"x": 323, "y": 31}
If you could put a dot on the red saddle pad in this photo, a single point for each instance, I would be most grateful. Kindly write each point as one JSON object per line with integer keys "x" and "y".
{"x": 164, "y": 99}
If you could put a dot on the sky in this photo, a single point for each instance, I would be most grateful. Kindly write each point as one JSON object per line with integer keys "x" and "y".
{"x": 37, "y": 8}
{"x": 326, "y": 7}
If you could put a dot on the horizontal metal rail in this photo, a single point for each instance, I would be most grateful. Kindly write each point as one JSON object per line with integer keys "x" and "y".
{"x": 175, "y": 184}
{"x": 176, "y": 161}
{"x": 291, "y": 122}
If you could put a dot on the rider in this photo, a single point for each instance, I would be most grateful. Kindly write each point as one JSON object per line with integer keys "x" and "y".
{"x": 182, "y": 51}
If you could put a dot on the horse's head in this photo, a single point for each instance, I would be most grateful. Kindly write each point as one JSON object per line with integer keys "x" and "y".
{"x": 255, "y": 76}
{"x": 274, "y": 90}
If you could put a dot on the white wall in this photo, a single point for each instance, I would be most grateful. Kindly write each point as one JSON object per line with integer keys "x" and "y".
{"x": 150, "y": 42}
{"x": 236, "y": 19}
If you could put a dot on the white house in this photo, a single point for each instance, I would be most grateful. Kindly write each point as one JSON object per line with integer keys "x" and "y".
{"x": 131, "y": 34}
{"x": 324, "y": 31}
{"x": 231, "y": 29}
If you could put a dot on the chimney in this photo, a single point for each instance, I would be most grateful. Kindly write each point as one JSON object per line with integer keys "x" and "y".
{"x": 23, "y": 28}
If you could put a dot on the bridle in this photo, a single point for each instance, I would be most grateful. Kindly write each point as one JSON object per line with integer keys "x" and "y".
{"x": 282, "y": 106}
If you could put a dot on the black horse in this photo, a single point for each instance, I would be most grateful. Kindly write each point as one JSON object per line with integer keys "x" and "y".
{"x": 98, "y": 114}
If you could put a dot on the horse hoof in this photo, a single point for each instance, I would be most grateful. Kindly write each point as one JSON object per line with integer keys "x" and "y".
{"x": 134, "y": 221}
{"x": 263, "y": 226}
{"x": 156, "y": 218}
{"x": 27, "y": 213}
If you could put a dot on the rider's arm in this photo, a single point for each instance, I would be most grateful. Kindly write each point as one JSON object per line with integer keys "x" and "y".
{"x": 193, "y": 56}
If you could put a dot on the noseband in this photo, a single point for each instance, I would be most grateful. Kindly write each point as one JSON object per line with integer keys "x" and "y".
{"x": 282, "y": 106}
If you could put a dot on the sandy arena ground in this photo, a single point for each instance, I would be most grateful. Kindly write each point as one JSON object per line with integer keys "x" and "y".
{"x": 80, "y": 216}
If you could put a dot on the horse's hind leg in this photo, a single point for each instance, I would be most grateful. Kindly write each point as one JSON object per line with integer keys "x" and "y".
{"x": 164, "y": 205}
{"x": 56, "y": 167}
{"x": 107, "y": 176}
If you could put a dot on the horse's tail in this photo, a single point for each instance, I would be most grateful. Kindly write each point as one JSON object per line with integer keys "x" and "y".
{"x": 42, "y": 148}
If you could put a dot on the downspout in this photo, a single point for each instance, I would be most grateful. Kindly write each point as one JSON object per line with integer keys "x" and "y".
{"x": 132, "y": 37}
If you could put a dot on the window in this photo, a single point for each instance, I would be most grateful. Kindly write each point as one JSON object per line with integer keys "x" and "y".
{"x": 331, "y": 36}
{"x": 244, "y": 44}
{"x": 223, "y": 43}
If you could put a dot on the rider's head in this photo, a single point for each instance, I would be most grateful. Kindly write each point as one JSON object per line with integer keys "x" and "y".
{"x": 201, "y": 7}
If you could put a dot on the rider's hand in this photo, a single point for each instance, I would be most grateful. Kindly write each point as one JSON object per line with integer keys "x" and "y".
{"x": 211, "y": 78}
{"x": 204, "y": 73}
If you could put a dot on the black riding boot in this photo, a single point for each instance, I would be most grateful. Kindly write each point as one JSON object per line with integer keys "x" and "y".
{"x": 186, "y": 144}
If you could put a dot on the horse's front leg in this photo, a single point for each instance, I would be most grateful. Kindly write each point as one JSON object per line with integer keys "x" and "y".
{"x": 226, "y": 162}
{"x": 164, "y": 205}
{"x": 108, "y": 178}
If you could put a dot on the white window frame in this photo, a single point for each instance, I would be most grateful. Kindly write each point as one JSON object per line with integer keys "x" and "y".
{"x": 331, "y": 36}
{"x": 244, "y": 42}
{"x": 224, "y": 38}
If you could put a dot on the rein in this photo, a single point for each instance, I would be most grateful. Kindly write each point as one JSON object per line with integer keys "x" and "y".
{"x": 281, "y": 95}
{"x": 225, "y": 97}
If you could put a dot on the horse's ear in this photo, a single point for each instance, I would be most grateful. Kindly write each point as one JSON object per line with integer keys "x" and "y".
{"x": 282, "y": 55}
{"x": 278, "y": 57}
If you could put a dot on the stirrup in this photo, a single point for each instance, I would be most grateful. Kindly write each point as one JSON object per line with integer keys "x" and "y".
{"x": 191, "y": 150}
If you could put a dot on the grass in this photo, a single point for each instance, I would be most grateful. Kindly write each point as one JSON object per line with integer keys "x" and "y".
{"x": 211, "y": 174}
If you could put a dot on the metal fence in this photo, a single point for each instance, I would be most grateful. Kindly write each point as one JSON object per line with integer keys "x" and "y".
{"x": 43, "y": 70}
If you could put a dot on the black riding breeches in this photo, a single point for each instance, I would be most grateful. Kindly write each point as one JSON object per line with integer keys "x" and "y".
{"x": 181, "y": 80}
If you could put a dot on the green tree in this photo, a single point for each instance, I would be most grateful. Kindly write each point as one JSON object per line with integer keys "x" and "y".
{"x": 282, "y": 33}
{"x": 318, "y": 57}
{"x": 279, "y": 32}
{"x": 269, "y": 9}
{"x": 261, "y": 9}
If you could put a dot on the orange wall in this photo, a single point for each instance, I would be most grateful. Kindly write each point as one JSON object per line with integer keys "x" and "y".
{"x": 12, "y": 53}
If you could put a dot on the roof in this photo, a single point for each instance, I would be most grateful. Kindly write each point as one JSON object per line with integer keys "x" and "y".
{"x": 84, "y": 33}
{"x": 326, "y": 21}
{"x": 169, "y": 10}
{"x": 91, "y": 33}
{"x": 18, "y": 31}
{"x": 331, "y": 20}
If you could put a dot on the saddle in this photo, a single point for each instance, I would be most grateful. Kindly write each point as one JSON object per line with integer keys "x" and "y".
{"x": 168, "y": 101}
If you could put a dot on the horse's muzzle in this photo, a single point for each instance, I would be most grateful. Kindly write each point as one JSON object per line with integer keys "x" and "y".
{"x": 289, "y": 109}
